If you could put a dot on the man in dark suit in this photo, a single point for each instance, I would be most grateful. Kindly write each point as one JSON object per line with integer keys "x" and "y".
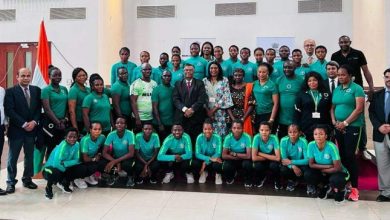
{"x": 331, "y": 82}
{"x": 189, "y": 98}
{"x": 380, "y": 118}
{"x": 22, "y": 105}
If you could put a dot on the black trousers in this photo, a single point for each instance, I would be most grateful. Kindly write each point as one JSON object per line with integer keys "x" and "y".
{"x": 52, "y": 142}
{"x": 211, "y": 167}
{"x": 289, "y": 174}
{"x": 335, "y": 180}
{"x": 261, "y": 168}
{"x": 230, "y": 167}
{"x": 348, "y": 143}
{"x": 163, "y": 134}
{"x": 184, "y": 166}
{"x": 94, "y": 166}
{"x": 282, "y": 131}
{"x": 154, "y": 166}
{"x": 54, "y": 175}
{"x": 193, "y": 128}
{"x": 264, "y": 117}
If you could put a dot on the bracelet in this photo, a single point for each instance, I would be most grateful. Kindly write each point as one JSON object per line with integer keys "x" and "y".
{"x": 345, "y": 123}
{"x": 94, "y": 159}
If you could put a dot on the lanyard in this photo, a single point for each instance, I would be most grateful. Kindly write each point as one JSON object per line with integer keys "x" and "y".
{"x": 316, "y": 100}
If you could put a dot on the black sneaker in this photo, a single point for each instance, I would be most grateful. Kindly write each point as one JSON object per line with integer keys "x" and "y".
{"x": 153, "y": 180}
{"x": 49, "y": 192}
{"x": 278, "y": 186}
{"x": 130, "y": 182}
{"x": 339, "y": 196}
{"x": 323, "y": 194}
{"x": 248, "y": 184}
{"x": 67, "y": 189}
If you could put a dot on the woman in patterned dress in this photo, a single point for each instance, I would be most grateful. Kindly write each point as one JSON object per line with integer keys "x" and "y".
{"x": 217, "y": 89}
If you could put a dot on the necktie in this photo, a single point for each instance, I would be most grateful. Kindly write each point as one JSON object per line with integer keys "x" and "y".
{"x": 332, "y": 85}
{"x": 27, "y": 95}
{"x": 309, "y": 60}
{"x": 387, "y": 106}
{"x": 188, "y": 86}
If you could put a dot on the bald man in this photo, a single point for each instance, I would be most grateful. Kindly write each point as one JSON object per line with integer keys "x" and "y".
{"x": 309, "y": 57}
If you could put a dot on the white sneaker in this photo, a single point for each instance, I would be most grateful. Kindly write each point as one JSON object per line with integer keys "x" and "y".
{"x": 80, "y": 183}
{"x": 122, "y": 173}
{"x": 168, "y": 177}
{"x": 91, "y": 180}
{"x": 218, "y": 179}
{"x": 366, "y": 155}
{"x": 203, "y": 177}
{"x": 190, "y": 178}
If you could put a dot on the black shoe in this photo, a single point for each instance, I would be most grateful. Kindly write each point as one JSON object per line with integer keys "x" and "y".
{"x": 49, "y": 192}
{"x": 2, "y": 192}
{"x": 382, "y": 198}
{"x": 30, "y": 185}
{"x": 10, "y": 189}
{"x": 339, "y": 196}
{"x": 323, "y": 194}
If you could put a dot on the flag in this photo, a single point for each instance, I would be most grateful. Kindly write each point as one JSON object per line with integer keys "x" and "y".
{"x": 41, "y": 71}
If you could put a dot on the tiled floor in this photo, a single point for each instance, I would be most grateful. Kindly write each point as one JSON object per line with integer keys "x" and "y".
{"x": 112, "y": 203}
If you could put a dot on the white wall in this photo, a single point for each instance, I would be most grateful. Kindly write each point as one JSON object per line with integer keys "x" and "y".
{"x": 76, "y": 39}
{"x": 195, "y": 19}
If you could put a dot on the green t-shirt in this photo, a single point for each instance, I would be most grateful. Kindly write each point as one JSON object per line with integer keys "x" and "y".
{"x": 268, "y": 147}
{"x": 249, "y": 68}
{"x": 162, "y": 95}
{"x": 296, "y": 152}
{"x": 344, "y": 100}
{"x": 288, "y": 90}
{"x": 173, "y": 146}
{"x": 325, "y": 156}
{"x": 143, "y": 90}
{"x": 78, "y": 95}
{"x": 130, "y": 66}
{"x": 146, "y": 148}
{"x": 120, "y": 145}
{"x": 200, "y": 65}
{"x": 263, "y": 96}
{"x": 206, "y": 149}
{"x": 320, "y": 68}
{"x": 91, "y": 147}
{"x": 58, "y": 100}
{"x": 302, "y": 71}
{"x": 278, "y": 67}
{"x": 227, "y": 68}
{"x": 177, "y": 76}
{"x": 99, "y": 109}
{"x": 237, "y": 146}
{"x": 123, "y": 90}
{"x": 231, "y": 62}
{"x": 137, "y": 74}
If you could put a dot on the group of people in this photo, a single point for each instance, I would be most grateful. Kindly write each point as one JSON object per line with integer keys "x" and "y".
{"x": 212, "y": 115}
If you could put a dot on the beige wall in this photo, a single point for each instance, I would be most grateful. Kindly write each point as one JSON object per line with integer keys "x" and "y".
{"x": 110, "y": 37}
{"x": 369, "y": 35}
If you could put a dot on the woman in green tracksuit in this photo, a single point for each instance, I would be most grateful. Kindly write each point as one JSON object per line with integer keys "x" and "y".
{"x": 63, "y": 164}
{"x": 293, "y": 150}
{"x": 208, "y": 153}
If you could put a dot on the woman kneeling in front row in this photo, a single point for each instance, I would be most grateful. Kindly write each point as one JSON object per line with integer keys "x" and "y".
{"x": 326, "y": 171}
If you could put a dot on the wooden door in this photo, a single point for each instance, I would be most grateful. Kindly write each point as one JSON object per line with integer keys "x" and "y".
{"x": 14, "y": 56}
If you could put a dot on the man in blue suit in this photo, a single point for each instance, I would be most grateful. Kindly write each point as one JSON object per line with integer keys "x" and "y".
{"x": 22, "y": 105}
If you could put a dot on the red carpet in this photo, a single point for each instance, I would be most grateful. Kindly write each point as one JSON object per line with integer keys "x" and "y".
{"x": 368, "y": 175}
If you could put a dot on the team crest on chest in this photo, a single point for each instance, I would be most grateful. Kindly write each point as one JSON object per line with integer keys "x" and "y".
{"x": 327, "y": 156}
{"x": 288, "y": 86}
